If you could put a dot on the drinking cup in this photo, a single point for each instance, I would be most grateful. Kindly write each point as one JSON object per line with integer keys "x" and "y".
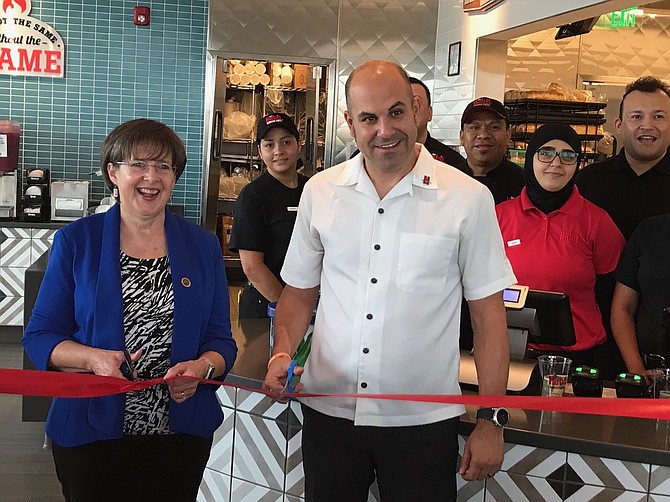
{"x": 554, "y": 371}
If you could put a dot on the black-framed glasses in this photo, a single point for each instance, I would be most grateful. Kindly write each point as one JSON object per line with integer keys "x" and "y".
{"x": 567, "y": 157}
{"x": 141, "y": 166}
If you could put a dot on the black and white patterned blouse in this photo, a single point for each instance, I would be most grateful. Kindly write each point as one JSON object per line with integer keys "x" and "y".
{"x": 148, "y": 308}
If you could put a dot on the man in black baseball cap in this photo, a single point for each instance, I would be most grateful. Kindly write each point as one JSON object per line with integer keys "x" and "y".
{"x": 485, "y": 134}
{"x": 489, "y": 105}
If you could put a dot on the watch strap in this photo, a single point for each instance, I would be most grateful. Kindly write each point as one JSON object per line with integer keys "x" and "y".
{"x": 210, "y": 369}
{"x": 485, "y": 413}
{"x": 499, "y": 416}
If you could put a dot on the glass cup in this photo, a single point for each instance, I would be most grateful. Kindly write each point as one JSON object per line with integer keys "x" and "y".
{"x": 554, "y": 371}
{"x": 661, "y": 382}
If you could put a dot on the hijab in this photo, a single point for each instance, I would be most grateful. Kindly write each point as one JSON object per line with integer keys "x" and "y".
{"x": 545, "y": 200}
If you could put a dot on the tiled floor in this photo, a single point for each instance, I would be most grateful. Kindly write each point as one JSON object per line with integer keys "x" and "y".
{"x": 26, "y": 469}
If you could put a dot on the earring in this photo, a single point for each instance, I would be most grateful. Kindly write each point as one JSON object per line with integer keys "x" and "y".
{"x": 115, "y": 193}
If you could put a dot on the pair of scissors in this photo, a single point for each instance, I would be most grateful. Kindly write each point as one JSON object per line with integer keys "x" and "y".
{"x": 127, "y": 367}
{"x": 289, "y": 376}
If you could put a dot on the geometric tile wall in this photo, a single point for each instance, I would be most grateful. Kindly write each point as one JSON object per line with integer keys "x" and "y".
{"x": 114, "y": 71}
{"x": 19, "y": 248}
{"x": 404, "y": 32}
{"x": 256, "y": 456}
{"x": 535, "y": 60}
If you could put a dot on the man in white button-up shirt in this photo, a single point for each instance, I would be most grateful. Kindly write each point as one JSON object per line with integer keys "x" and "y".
{"x": 393, "y": 240}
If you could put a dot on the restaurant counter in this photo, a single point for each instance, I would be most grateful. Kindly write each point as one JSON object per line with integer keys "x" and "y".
{"x": 549, "y": 455}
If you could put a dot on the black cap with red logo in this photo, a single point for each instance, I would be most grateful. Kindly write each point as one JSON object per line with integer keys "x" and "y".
{"x": 490, "y": 105}
{"x": 276, "y": 120}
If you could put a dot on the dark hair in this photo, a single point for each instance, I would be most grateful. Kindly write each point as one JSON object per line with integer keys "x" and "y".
{"x": 400, "y": 69}
{"x": 644, "y": 84}
{"x": 157, "y": 138}
{"x": 414, "y": 80}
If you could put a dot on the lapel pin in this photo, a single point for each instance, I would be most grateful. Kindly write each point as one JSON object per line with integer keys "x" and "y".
{"x": 186, "y": 282}
{"x": 426, "y": 180}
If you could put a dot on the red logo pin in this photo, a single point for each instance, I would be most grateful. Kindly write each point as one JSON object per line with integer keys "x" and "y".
{"x": 426, "y": 180}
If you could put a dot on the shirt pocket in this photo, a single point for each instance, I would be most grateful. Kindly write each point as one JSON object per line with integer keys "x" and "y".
{"x": 423, "y": 262}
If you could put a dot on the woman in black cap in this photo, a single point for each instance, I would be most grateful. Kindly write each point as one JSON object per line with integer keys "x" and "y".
{"x": 558, "y": 241}
{"x": 265, "y": 213}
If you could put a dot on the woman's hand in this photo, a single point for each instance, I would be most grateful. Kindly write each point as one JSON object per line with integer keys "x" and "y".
{"x": 182, "y": 388}
{"x": 108, "y": 362}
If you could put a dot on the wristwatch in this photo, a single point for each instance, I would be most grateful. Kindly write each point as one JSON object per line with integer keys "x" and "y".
{"x": 499, "y": 416}
{"x": 210, "y": 370}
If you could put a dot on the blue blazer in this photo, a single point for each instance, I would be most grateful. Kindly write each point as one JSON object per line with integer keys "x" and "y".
{"x": 80, "y": 299}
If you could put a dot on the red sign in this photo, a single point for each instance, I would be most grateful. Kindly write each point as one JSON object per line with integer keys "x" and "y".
{"x": 479, "y": 5}
{"x": 28, "y": 46}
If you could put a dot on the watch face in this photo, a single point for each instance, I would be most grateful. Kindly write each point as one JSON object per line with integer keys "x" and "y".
{"x": 502, "y": 416}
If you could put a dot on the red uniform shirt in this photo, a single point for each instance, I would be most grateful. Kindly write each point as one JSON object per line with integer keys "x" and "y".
{"x": 563, "y": 251}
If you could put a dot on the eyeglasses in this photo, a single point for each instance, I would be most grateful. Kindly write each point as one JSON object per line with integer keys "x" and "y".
{"x": 140, "y": 166}
{"x": 567, "y": 157}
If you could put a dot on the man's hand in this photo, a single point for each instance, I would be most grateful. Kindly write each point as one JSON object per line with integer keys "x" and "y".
{"x": 483, "y": 453}
{"x": 275, "y": 378}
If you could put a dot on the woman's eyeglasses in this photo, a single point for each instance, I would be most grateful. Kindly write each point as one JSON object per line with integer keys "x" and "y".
{"x": 140, "y": 166}
{"x": 566, "y": 156}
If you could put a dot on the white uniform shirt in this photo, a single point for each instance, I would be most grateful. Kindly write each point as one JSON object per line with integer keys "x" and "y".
{"x": 392, "y": 275}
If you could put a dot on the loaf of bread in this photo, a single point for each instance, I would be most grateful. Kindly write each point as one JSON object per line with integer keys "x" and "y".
{"x": 554, "y": 91}
{"x": 579, "y": 128}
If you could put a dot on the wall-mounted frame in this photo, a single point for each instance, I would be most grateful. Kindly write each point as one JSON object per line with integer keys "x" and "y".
{"x": 454, "y": 62}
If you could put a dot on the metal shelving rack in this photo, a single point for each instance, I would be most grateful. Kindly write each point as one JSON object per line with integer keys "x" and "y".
{"x": 526, "y": 115}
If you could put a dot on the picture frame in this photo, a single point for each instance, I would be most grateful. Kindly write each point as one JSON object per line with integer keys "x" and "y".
{"x": 454, "y": 61}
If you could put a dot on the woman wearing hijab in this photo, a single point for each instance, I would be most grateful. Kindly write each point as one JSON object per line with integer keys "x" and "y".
{"x": 556, "y": 240}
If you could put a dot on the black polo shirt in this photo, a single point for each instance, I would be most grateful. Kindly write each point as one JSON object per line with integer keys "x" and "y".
{"x": 504, "y": 182}
{"x": 263, "y": 219}
{"x": 644, "y": 266}
{"x": 627, "y": 197}
{"x": 442, "y": 152}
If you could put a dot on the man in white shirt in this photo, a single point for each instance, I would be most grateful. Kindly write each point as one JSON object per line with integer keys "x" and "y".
{"x": 393, "y": 240}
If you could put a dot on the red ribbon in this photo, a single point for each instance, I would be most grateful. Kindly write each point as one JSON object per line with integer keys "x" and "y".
{"x": 57, "y": 384}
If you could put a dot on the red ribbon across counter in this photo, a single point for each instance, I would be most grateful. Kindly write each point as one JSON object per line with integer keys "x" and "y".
{"x": 77, "y": 385}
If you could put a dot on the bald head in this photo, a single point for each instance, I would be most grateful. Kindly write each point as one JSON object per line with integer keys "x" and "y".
{"x": 375, "y": 68}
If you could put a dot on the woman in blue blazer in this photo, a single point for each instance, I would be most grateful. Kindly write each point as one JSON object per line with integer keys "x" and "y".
{"x": 135, "y": 282}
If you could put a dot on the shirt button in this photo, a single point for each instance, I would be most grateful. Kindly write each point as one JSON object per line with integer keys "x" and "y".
{"x": 369, "y": 316}
{"x": 377, "y": 247}
{"x": 364, "y": 385}
{"x": 380, "y": 210}
{"x": 373, "y": 280}
{"x": 366, "y": 350}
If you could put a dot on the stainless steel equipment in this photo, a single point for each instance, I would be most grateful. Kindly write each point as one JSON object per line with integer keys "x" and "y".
{"x": 247, "y": 88}
{"x": 69, "y": 200}
{"x": 8, "y": 194}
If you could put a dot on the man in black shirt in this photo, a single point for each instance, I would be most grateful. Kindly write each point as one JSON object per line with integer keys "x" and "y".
{"x": 485, "y": 134}
{"x": 265, "y": 213}
{"x": 438, "y": 150}
{"x": 635, "y": 184}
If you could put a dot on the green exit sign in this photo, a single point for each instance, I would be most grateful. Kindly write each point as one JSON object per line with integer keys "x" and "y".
{"x": 625, "y": 17}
